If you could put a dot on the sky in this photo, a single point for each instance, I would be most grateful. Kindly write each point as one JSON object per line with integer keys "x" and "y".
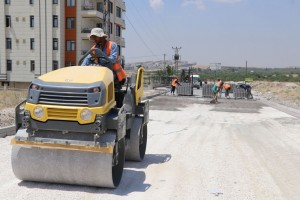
{"x": 265, "y": 33}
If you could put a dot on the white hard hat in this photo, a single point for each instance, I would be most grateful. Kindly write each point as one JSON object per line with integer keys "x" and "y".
{"x": 98, "y": 32}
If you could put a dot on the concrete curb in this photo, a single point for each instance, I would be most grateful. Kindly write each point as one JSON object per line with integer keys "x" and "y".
{"x": 6, "y": 131}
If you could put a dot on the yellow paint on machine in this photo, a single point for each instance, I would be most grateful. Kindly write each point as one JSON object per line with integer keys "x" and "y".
{"x": 79, "y": 75}
{"x": 108, "y": 149}
{"x": 68, "y": 113}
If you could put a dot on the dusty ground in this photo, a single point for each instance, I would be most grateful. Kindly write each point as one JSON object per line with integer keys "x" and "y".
{"x": 234, "y": 150}
{"x": 284, "y": 93}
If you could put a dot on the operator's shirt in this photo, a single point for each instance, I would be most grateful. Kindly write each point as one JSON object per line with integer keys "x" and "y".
{"x": 113, "y": 55}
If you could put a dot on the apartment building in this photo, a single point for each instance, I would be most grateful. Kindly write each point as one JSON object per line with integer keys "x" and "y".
{"x": 39, "y": 36}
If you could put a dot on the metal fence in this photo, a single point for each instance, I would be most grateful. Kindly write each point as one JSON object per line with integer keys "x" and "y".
{"x": 185, "y": 89}
{"x": 207, "y": 90}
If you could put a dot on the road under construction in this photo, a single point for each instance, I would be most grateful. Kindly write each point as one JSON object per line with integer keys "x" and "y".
{"x": 236, "y": 149}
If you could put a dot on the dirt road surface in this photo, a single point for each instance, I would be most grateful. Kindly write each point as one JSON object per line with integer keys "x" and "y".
{"x": 237, "y": 149}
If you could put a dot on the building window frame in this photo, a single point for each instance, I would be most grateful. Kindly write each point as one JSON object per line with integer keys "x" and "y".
{"x": 7, "y": 21}
{"x": 32, "y": 43}
{"x": 119, "y": 50}
{"x": 31, "y": 2}
{"x": 55, "y": 44}
{"x": 9, "y": 65}
{"x": 55, "y": 2}
{"x": 71, "y": 3}
{"x": 31, "y": 21}
{"x": 55, "y": 21}
{"x": 71, "y": 45}
{"x": 110, "y": 28}
{"x": 118, "y": 30}
{"x": 32, "y": 65}
{"x": 7, "y": 2}
{"x": 118, "y": 12}
{"x": 111, "y": 7}
{"x": 71, "y": 23}
{"x": 8, "y": 43}
{"x": 54, "y": 65}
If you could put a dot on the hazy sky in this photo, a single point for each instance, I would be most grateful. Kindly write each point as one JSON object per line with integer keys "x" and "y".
{"x": 266, "y": 33}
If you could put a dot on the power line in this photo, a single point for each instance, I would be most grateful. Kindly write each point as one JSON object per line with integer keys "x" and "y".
{"x": 139, "y": 35}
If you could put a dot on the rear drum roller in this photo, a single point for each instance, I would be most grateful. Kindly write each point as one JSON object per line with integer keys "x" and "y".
{"x": 138, "y": 140}
{"x": 69, "y": 166}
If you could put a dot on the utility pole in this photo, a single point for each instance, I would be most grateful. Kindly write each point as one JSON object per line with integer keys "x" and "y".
{"x": 164, "y": 61}
{"x": 176, "y": 58}
{"x": 106, "y": 18}
{"x": 246, "y": 71}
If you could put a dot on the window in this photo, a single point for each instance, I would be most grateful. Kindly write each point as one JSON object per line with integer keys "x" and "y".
{"x": 8, "y": 43}
{"x": 70, "y": 23}
{"x": 32, "y": 65}
{"x": 118, "y": 30}
{"x": 68, "y": 64}
{"x": 31, "y": 43}
{"x": 31, "y": 1}
{"x": 119, "y": 12}
{"x": 70, "y": 3}
{"x": 8, "y": 21}
{"x": 110, "y": 7}
{"x": 99, "y": 25}
{"x": 7, "y": 1}
{"x": 55, "y": 44}
{"x": 71, "y": 45}
{"x": 55, "y": 21}
{"x": 119, "y": 50}
{"x": 100, "y": 7}
{"x": 8, "y": 65}
{"x": 55, "y": 65}
{"x": 31, "y": 21}
{"x": 55, "y": 2}
{"x": 110, "y": 28}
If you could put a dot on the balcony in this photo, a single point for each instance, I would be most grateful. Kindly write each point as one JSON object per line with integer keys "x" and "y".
{"x": 120, "y": 22}
{"x": 120, "y": 41}
{"x": 91, "y": 12}
{"x": 3, "y": 77}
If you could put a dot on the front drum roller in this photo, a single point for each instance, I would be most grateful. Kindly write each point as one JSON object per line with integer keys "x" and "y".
{"x": 138, "y": 140}
{"x": 69, "y": 166}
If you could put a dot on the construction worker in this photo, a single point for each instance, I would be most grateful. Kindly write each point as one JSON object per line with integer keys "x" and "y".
{"x": 247, "y": 88}
{"x": 110, "y": 49}
{"x": 174, "y": 84}
{"x": 227, "y": 88}
{"x": 216, "y": 89}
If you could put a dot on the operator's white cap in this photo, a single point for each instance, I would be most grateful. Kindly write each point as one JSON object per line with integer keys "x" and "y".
{"x": 98, "y": 32}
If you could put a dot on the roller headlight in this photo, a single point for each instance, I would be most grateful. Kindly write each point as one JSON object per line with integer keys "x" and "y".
{"x": 35, "y": 87}
{"x": 86, "y": 115}
{"x": 96, "y": 90}
{"x": 38, "y": 112}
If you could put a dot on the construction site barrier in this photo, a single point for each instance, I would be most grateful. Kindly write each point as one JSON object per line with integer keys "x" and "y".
{"x": 185, "y": 89}
{"x": 239, "y": 93}
{"x": 207, "y": 90}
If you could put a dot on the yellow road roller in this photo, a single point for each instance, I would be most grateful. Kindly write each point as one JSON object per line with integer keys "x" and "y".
{"x": 77, "y": 127}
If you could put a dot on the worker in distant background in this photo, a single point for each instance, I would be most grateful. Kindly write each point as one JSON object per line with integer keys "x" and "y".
{"x": 110, "y": 49}
{"x": 227, "y": 88}
{"x": 216, "y": 89}
{"x": 247, "y": 88}
{"x": 174, "y": 84}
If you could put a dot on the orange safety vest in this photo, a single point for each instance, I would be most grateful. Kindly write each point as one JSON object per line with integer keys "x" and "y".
{"x": 226, "y": 86}
{"x": 117, "y": 68}
{"x": 174, "y": 82}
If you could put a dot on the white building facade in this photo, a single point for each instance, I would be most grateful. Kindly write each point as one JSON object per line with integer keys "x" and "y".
{"x": 39, "y": 36}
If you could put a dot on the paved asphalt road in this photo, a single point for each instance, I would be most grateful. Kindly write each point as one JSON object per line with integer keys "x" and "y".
{"x": 237, "y": 149}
